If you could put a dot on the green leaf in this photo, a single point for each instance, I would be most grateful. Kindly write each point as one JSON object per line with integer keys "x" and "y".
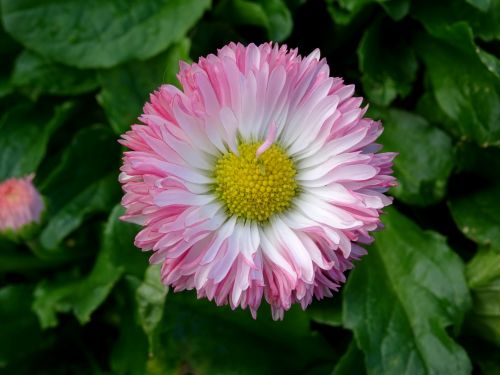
{"x": 396, "y": 9}
{"x": 483, "y": 268}
{"x": 71, "y": 188}
{"x": 327, "y": 311}
{"x": 100, "y": 34}
{"x": 483, "y": 276}
{"x": 83, "y": 296}
{"x": 215, "y": 340}
{"x": 150, "y": 297}
{"x": 425, "y": 158}
{"x": 26, "y": 131}
{"x": 476, "y": 215}
{"x": 272, "y": 15}
{"x": 482, "y": 5}
{"x": 98, "y": 197}
{"x": 402, "y": 296}
{"x": 126, "y": 88}
{"x": 438, "y": 16}
{"x": 389, "y": 66}
{"x": 352, "y": 362}
{"x": 37, "y": 75}
{"x": 468, "y": 92}
{"x": 20, "y": 333}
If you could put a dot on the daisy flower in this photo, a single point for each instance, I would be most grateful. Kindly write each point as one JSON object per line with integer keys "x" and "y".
{"x": 259, "y": 179}
{"x": 20, "y": 203}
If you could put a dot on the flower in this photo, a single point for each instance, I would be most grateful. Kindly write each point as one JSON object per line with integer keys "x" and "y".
{"x": 258, "y": 179}
{"x": 20, "y": 203}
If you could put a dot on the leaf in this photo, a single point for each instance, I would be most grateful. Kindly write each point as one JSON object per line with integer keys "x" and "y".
{"x": 70, "y": 189}
{"x": 402, "y": 296}
{"x": 425, "y": 159}
{"x": 327, "y": 311}
{"x": 272, "y": 15}
{"x": 20, "y": 334}
{"x": 439, "y": 16}
{"x": 483, "y": 277}
{"x": 207, "y": 339}
{"x": 396, "y": 9}
{"x": 482, "y": 5}
{"x": 36, "y": 75}
{"x": 476, "y": 215}
{"x": 100, "y": 34}
{"x": 352, "y": 361}
{"x": 389, "y": 66}
{"x": 468, "y": 92}
{"x": 483, "y": 268}
{"x": 83, "y": 296}
{"x": 98, "y": 197}
{"x": 26, "y": 132}
{"x": 150, "y": 298}
{"x": 126, "y": 88}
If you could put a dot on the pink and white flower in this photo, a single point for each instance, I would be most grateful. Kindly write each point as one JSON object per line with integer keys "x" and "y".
{"x": 260, "y": 178}
{"x": 20, "y": 203}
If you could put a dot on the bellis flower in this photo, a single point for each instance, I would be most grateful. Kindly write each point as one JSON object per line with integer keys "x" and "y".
{"x": 259, "y": 179}
{"x": 20, "y": 204}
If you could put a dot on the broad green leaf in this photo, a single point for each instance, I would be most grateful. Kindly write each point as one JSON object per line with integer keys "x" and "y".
{"x": 468, "y": 92}
{"x": 84, "y": 295}
{"x": 483, "y": 276}
{"x": 81, "y": 184}
{"x": 272, "y": 15}
{"x": 388, "y": 64}
{"x": 215, "y": 340}
{"x": 400, "y": 299}
{"x": 352, "y": 362}
{"x": 26, "y": 131}
{"x": 484, "y": 267}
{"x": 478, "y": 162}
{"x": 100, "y": 196}
{"x": 100, "y": 34}
{"x": 425, "y": 158}
{"x": 150, "y": 298}
{"x": 37, "y": 75}
{"x": 483, "y": 5}
{"x": 20, "y": 333}
{"x": 477, "y": 215}
{"x": 126, "y": 88}
{"x": 327, "y": 311}
{"x": 396, "y": 9}
{"x": 438, "y": 16}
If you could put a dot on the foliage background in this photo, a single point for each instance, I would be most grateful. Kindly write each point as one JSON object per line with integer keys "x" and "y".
{"x": 78, "y": 298}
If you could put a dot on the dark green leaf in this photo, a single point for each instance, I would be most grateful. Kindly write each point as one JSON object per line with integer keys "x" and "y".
{"x": 37, "y": 75}
{"x": 483, "y": 268}
{"x": 389, "y": 66}
{"x": 400, "y": 299}
{"x": 100, "y": 34}
{"x": 126, "y": 88}
{"x": 98, "y": 197}
{"x": 83, "y": 296}
{"x": 352, "y": 362}
{"x": 327, "y": 311}
{"x": 26, "y": 131}
{"x": 425, "y": 158}
{"x": 397, "y": 9}
{"x": 212, "y": 340}
{"x": 272, "y": 15}
{"x": 20, "y": 333}
{"x": 477, "y": 215}
{"x": 438, "y": 16}
{"x": 468, "y": 92}
{"x": 84, "y": 170}
{"x": 483, "y": 5}
{"x": 150, "y": 296}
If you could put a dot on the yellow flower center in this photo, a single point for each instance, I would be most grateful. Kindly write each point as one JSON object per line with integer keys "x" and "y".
{"x": 252, "y": 187}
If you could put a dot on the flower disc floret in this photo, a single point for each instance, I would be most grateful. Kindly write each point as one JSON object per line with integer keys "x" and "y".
{"x": 255, "y": 188}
